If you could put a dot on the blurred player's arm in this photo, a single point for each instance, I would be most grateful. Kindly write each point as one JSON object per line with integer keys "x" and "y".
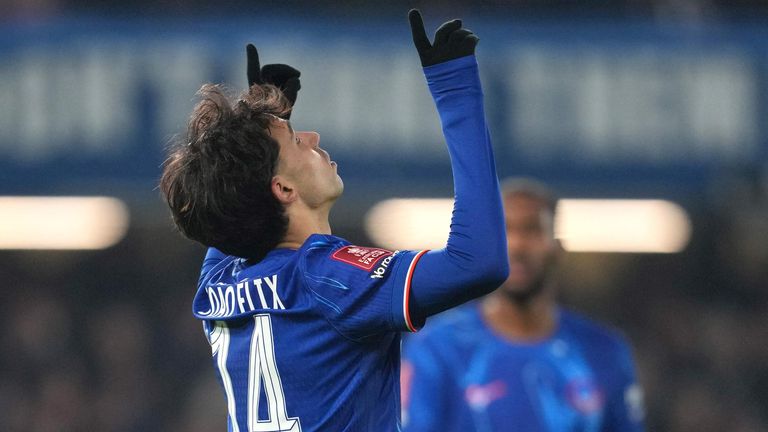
{"x": 474, "y": 261}
{"x": 625, "y": 410}
{"x": 424, "y": 390}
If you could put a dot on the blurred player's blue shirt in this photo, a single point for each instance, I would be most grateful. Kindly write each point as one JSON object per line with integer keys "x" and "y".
{"x": 308, "y": 339}
{"x": 458, "y": 375}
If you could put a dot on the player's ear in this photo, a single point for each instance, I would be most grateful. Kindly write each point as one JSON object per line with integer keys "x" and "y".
{"x": 283, "y": 190}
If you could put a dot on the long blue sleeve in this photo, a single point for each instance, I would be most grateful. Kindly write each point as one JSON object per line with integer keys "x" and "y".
{"x": 474, "y": 261}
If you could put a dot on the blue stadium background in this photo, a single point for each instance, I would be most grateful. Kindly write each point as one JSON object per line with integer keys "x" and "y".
{"x": 632, "y": 99}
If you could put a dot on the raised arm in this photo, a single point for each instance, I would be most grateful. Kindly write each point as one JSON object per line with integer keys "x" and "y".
{"x": 474, "y": 260}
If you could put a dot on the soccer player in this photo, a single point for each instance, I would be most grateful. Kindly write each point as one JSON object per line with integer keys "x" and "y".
{"x": 305, "y": 327}
{"x": 515, "y": 360}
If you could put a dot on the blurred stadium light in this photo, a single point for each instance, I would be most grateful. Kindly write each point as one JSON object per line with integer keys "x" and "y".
{"x": 622, "y": 226}
{"x": 584, "y": 225}
{"x": 410, "y": 223}
{"x": 61, "y": 222}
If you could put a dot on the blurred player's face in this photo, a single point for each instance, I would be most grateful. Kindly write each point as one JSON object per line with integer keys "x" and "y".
{"x": 531, "y": 245}
{"x": 306, "y": 166}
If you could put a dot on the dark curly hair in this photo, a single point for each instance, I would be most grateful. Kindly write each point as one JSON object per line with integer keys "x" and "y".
{"x": 217, "y": 181}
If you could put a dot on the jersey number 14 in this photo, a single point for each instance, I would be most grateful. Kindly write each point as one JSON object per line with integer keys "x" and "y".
{"x": 262, "y": 373}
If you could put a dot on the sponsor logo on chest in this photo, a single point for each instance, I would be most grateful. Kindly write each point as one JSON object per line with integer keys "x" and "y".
{"x": 364, "y": 258}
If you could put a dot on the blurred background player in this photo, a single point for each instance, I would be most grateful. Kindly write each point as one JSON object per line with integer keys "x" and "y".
{"x": 304, "y": 327}
{"x": 515, "y": 360}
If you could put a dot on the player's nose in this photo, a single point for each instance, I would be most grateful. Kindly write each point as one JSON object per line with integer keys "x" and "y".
{"x": 313, "y": 138}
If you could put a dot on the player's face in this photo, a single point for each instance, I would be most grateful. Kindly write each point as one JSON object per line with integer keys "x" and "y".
{"x": 308, "y": 167}
{"x": 531, "y": 245}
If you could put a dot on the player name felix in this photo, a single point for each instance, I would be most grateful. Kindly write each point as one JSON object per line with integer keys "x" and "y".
{"x": 245, "y": 296}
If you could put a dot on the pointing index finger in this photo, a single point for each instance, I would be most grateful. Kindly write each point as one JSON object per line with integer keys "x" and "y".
{"x": 254, "y": 67}
{"x": 417, "y": 30}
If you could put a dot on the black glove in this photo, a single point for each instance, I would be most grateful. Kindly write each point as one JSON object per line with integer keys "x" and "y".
{"x": 282, "y": 76}
{"x": 451, "y": 40}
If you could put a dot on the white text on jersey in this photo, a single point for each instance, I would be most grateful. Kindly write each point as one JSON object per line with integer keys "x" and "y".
{"x": 228, "y": 300}
{"x": 382, "y": 268}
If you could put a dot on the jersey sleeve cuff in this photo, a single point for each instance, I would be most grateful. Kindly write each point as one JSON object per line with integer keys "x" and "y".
{"x": 402, "y": 291}
{"x": 450, "y": 66}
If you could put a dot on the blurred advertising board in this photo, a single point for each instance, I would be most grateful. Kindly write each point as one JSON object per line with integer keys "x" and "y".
{"x": 93, "y": 102}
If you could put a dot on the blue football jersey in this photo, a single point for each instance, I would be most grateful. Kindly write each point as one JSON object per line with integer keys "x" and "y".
{"x": 458, "y": 375}
{"x": 308, "y": 339}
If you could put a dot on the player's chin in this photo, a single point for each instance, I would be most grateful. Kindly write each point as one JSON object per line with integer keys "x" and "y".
{"x": 518, "y": 292}
{"x": 516, "y": 286}
{"x": 519, "y": 275}
{"x": 339, "y": 186}
{"x": 518, "y": 283}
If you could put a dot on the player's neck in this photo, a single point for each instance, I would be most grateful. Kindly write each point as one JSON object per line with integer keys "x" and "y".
{"x": 302, "y": 223}
{"x": 527, "y": 321}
